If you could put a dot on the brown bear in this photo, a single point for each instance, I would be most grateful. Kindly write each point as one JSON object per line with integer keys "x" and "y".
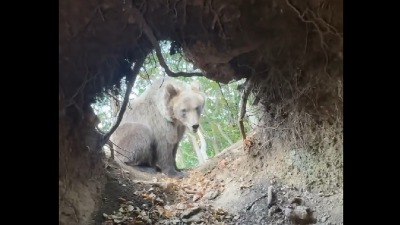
{"x": 150, "y": 132}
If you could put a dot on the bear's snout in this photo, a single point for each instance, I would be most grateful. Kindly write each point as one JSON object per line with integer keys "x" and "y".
{"x": 195, "y": 127}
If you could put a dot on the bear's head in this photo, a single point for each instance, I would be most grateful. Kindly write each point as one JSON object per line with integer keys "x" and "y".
{"x": 186, "y": 105}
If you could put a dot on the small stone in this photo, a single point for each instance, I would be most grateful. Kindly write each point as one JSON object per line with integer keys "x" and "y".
{"x": 190, "y": 212}
{"x": 212, "y": 195}
{"x": 274, "y": 209}
{"x": 324, "y": 219}
{"x": 195, "y": 218}
{"x": 288, "y": 212}
{"x": 302, "y": 212}
{"x": 296, "y": 200}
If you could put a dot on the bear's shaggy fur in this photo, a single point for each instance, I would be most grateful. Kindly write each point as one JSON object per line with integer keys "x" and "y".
{"x": 150, "y": 132}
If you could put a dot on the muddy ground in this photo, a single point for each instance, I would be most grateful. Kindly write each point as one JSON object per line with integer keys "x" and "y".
{"x": 218, "y": 192}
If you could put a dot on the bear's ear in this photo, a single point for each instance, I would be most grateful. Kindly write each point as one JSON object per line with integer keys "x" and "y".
{"x": 171, "y": 91}
{"x": 163, "y": 104}
{"x": 196, "y": 86}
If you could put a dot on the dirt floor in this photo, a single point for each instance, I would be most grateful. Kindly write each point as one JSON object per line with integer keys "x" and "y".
{"x": 217, "y": 192}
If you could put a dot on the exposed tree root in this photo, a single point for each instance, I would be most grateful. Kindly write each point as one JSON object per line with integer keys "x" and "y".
{"x": 131, "y": 81}
{"x": 247, "y": 87}
{"x": 149, "y": 33}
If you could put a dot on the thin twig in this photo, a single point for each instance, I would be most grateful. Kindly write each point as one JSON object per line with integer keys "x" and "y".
{"x": 216, "y": 19}
{"x": 71, "y": 101}
{"x": 86, "y": 25}
{"x": 258, "y": 199}
{"x": 101, "y": 14}
{"x": 113, "y": 144}
{"x": 112, "y": 96}
{"x": 145, "y": 70}
{"x": 321, "y": 35}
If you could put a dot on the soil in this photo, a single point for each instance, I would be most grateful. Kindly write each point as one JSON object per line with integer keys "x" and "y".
{"x": 217, "y": 192}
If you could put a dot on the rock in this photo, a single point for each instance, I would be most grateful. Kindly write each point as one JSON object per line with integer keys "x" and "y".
{"x": 302, "y": 212}
{"x": 299, "y": 215}
{"x": 190, "y": 212}
{"x": 324, "y": 219}
{"x": 195, "y": 218}
{"x": 288, "y": 212}
{"x": 212, "y": 195}
{"x": 274, "y": 209}
{"x": 297, "y": 201}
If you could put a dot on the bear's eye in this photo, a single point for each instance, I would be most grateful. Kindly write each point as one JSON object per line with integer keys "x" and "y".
{"x": 183, "y": 112}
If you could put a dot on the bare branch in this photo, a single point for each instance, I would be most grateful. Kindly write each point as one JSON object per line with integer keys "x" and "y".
{"x": 149, "y": 33}
{"x": 248, "y": 207}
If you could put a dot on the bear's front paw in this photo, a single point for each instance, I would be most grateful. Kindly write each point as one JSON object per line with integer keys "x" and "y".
{"x": 176, "y": 174}
{"x": 146, "y": 169}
